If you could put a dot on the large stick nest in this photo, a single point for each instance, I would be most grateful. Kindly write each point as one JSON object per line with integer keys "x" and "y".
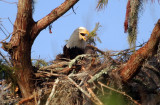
{"x": 80, "y": 78}
{"x": 83, "y": 80}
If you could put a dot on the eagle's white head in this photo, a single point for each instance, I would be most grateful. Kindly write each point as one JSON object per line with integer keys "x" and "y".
{"x": 78, "y": 38}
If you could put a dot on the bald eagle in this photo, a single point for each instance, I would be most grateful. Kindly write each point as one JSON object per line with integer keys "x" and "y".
{"x": 76, "y": 44}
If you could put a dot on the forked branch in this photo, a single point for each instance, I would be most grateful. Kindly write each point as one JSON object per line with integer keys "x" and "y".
{"x": 54, "y": 15}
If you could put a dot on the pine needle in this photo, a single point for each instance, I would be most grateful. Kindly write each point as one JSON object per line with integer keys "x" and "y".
{"x": 101, "y": 4}
{"x": 92, "y": 37}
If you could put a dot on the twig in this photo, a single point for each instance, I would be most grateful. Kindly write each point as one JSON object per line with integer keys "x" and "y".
{"x": 79, "y": 75}
{"x": 92, "y": 96}
{"x": 73, "y": 10}
{"x": 120, "y": 92}
{"x": 35, "y": 98}
{"x": 6, "y": 38}
{"x": 26, "y": 99}
{"x": 5, "y": 59}
{"x": 3, "y": 32}
{"x": 54, "y": 66}
{"x": 65, "y": 70}
{"x": 73, "y": 61}
{"x": 70, "y": 13}
{"x": 53, "y": 90}
{"x": 9, "y": 86}
{"x": 83, "y": 91}
{"x": 47, "y": 74}
{"x": 5, "y": 28}
{"x": 103, "y": 71}
{"x": 9, "y": 2}
{"x": 95, "y": 98}
{"x": 10, "y": 21}
{"x": 102, "y": 52}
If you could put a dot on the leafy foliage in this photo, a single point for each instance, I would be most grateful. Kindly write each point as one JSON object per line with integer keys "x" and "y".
{"x": 5, "y": 70}
{"x": 39, "y": 63}
{"x": 101, "y": 4}
{"x": 113, "y": 98}
{"x": 7, "y": 73}
{"x": 92, "y": 37}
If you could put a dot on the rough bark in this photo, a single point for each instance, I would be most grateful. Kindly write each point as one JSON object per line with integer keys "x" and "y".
{"x": 24, "y": 34}
{"x": 136, "y": 60}
{"x": 20, "y": 47}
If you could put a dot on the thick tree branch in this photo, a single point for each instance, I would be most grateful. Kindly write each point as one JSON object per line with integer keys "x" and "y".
{"x": 54, "y": 15}
{"x": 136, "y": 60}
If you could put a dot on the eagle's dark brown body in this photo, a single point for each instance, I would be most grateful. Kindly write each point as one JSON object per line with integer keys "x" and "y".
{"x": 75, "y": 45}
{"x": 71, "y": 53}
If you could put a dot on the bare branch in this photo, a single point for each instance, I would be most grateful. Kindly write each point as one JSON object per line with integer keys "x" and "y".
{"x": 9, "y": 2}
{"x": 25, "y": 100}
{"x": 6, "y": 38}
{"x": 82, "y": 90}
{"x": 3, "y": 31}
{"x": 52, "y": 92}
{"x": 95, "y": 98}
{"x": 72, "y": 62}
{"x": 5, "y": 59}
{"x": 54, "y": 15}
{"x": 60, "y": 64}
{"x": 95, "y": 48}
{"x": 104, "y": 71}
{"x": 10, "y": 21}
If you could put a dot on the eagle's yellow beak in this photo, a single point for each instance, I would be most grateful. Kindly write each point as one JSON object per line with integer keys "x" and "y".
{"x": 87, "y": 32}
{"x": 83, "y": 34}
{"x": 84, "y": 38}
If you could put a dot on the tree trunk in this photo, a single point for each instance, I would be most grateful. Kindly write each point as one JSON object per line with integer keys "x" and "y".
{"x": 19, "y": 47}
{"x": 136, "y": 60}
{"x": 23, "y": 68}
{"x": 24, "y": 33}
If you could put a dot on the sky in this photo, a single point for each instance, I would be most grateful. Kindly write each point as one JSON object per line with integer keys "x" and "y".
{"x": 111, "y": 19}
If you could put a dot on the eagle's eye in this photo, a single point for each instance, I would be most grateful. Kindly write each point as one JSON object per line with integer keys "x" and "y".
{"x": 82, "y": 34}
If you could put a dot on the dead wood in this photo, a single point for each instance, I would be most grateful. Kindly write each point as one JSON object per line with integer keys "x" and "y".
{"x": 25, "y": 100}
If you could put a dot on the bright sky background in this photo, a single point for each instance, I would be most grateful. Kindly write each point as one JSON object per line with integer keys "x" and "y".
{"x": 47, "y": 46}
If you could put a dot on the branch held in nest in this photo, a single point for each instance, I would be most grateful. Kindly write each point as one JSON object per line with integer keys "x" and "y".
{"x": 91, "y": 95}
{"x": 95, "y": 98}
{"x": 52, "y": 92}
{"x": 53, "y": 66}
{"x": 25, "y": 100}
{"x": 83, "y": 91}
{"x": 73, "y": 61}
{"x": 103, "y": 71}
